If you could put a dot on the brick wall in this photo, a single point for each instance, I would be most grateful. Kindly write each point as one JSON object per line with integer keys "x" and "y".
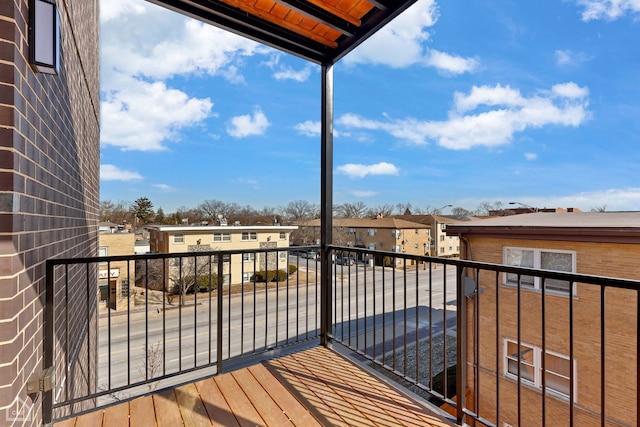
{"x": 49, "y": 190}
{"x": 621, "y": 317}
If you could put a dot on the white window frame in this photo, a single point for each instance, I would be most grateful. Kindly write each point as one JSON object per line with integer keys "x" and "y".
{"x": 246, "y": 277}
{"x": 536, "y": 285}
{"x": 178, "y": 239}
{"x": 395, "y": 233}
{"x": 351, "y": 231}
{"x": 396, "y": 248}
{"x": 282, "y": 255}
{"x": 248, "y": 257}
{"x": 222, "y": 237}
{"x": 249, "y": 236}
{"x": 372, "y": 246}
{"x": 537, "y": 368}
{"x": 372, "y": 232}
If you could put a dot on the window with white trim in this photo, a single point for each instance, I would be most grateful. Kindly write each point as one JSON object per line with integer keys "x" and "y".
{"x": 372, "y": 246}
{"x": 249, "y": 235}
{"x": 396, "y": 248}
{"x": 178, "y": 238}
{"x": 395, "y": 233}
{"x": 248, "y": 257}
{"x": 221, "y": 237}
{"x": 372, "y": 232}
{"x": 246, "y": 277}
{"x": 557, "y": 367}
{"x": 351, "y": 231}
{"x": 282, "y": 255}
{"x": 545, "y": 259}
{"x": 103, "y": 251}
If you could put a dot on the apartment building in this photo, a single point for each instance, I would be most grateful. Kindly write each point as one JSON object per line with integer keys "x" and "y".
{"x": 442, "y": 244}
{"x": 116, "y": 277}
{"x": 238, "y": 268}
{"x": 49, "y": 191}
{"x": 600, "y": 244}
{"x": 383, "y": 234}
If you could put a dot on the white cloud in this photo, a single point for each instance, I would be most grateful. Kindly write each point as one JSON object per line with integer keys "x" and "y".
{"x": 363, "y": 194}
{"x": 287, "y": 73}
{"x": 113, "y": 173}
{"x": 503, "y": 111}
{"x": 530, "y": 156}
{"x": 309, "y": 128}
{"x": 609, "y": 10}
{"x": 566, "y": 58}
{"x": 354, "y": 170}
{"x": 165, "y": 187}
{"x": 450, "y": 64}
{"x": 113, "y": 9}
{"x": 147, "y": 114}
{"x": 248, "y": 125}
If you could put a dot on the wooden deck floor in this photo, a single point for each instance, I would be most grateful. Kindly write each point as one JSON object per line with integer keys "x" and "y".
{"x": 316, "y": 387}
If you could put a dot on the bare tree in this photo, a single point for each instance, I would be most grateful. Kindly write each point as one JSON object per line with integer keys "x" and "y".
{"x": 384, "y": 210}
{"x": 602, "y": 208}
{"x": 301, "y": 210}
{"x": 118, "y": 213}
{"x": 485, "y": 207}
{"x": 351, "y": 210}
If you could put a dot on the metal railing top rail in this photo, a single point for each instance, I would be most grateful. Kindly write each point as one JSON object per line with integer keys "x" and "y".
{"x": 630, "y": 284}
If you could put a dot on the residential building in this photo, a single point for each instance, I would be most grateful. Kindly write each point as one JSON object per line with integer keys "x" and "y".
{"x": 543, "y": 323}
{"x": 383, "y": 234}
{"x": 49, "y": 192}
{"x": 442, "y": 244}
{"x": 115, "y": 277}
{"x": 202, "y": 238}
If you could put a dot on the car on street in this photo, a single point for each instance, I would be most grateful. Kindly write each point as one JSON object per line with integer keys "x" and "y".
{"x": 344, "y": 261}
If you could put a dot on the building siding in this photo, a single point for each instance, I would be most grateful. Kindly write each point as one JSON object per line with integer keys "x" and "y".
{"x": 621, "y": 310}
{"x": 49, "y": 189}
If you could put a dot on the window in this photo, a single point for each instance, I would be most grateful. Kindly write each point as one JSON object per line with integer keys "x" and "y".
{"x": 415, "y": 246}
{"x": 372, "y": 232}
{"x": 221, "y": 237}
{"x": 395, "y": 233}
{"x": 178, "y": 238}
{"x": 226, "y": 279}
{"x": 417, "y": 231}
{"x": 543, "y": 259}
{"x": 248, "y": 257}
{"x": 282, "y": 255}
{"x": 352, "y": 231}
{"x": 396, "y": 248}
{"x": 249, "y": 235}
{"x": 44, "y": 36}
{"x": 372, "y": 246}
{"x": 443, "y": 226}
{"x": 246, "y": 277}
{"x": 283, "y": 235}
{"x": 103, "y": 251}
{"x": 441, "y": 250}
{"x": 557, "y": 371}
{"x": 124, "y": 287}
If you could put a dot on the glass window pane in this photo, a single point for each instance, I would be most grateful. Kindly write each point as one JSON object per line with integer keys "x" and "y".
{"x": 520, "y": 258}
{"x": 559, "y": 262}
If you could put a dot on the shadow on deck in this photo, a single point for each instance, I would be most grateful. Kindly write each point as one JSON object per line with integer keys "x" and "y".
{"x": 314, "y": 387}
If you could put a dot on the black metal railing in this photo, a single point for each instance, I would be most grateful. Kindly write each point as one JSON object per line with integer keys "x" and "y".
{"x": 122, "y": 326}
{"x": 493, "y": 345}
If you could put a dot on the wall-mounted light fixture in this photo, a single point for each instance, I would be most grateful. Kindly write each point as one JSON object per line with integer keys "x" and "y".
{"x": 44, "y": 36}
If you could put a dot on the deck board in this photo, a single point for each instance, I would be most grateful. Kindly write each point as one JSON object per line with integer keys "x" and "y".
{"x": 311, "y": 388}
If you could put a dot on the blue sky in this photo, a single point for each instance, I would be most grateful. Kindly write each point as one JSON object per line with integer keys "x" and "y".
{"x": 455, "y": 102}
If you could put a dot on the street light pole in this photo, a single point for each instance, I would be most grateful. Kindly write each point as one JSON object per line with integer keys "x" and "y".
{"x": 535, "y": 210}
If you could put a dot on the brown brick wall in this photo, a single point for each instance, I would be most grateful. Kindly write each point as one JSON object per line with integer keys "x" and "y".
{"x": 621, "y": 317}
{"x": 49, "y": 186}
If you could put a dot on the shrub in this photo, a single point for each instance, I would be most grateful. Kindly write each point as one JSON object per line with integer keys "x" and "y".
{"x": 292, "y": 268}
{"x": 269, "y": 276}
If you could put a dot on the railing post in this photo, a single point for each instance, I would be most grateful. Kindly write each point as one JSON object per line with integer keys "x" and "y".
{"x": 461, "y": 344}
{"x": 219, "y": 313}
{"x": 48, "y": 345}
{"x": 326, "y": 202}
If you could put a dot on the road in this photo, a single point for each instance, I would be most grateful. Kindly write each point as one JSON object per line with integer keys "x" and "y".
{"x": 370, "y": 305}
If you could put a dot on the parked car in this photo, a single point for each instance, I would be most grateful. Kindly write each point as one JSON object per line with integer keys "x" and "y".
{"x": 345, "y": 261}
{"x": 308, "y": 255}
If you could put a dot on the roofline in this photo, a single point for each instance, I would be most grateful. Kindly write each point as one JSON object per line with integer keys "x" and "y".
{"x": 574, "y": 234}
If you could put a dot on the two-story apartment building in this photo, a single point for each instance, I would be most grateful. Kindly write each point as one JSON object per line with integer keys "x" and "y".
{"x": 383, "y": 234}
{"x": 238, "y": 268}
{"x": 508, "y": 318}
{"x": 442, "y": 244}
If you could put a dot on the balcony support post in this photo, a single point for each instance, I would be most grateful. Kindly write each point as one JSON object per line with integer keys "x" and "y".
{"x": 47, "y": 397}
{"x": 326, "y": 202}
{"x": 461, "y": 345}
